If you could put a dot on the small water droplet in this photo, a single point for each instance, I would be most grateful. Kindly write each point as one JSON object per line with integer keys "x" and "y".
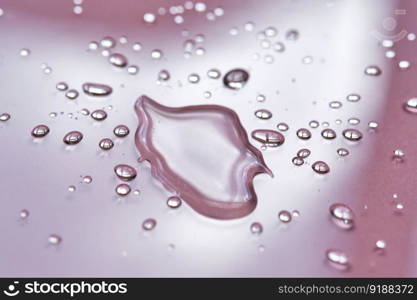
{"x": 62, "y": 86}
{"x": 263, "y": 114}
{"x": 236, "y": 79}
{"x": 320, "y": 167}
{"x": 353, "y": 97}
{"x": 125, "y": 172}
{"x": 279, "y": 47}
{"x": 99, "y": 115}
{"x": 335, "y": 104}
{"x": 87, "y": 179}
{"x": 156, "y": 54}
{"x": 108, "y": 42}
{"x": 123, "y": 189}
{"x": 24, "y": 214}
{"x": 71, "y": 94}
{"x": 304, "y": 133}
{"x": 307, "y": 60}
{"x": 411, "y": 105}
{"x": 93, "y": 45}
{"x": 256, "y": 228}
{"x": 121, "y": 131}
{"x": 303, "y": 153}
{"x": 328, "y": 134}
{"x": 373, "y": 71}
{"x": 4, "y": 117}
{"x": 193, "y": 78}
{"x": 283, "y": 126}
{"x": 298, "y": 161}
{"x": 352, "y": 134}
{"x": 249, "y": 26}
{"x": 380, "y": 245}
{"x": 373, "y": 125}
{"x": 71, "y": 188}
{"x": 404, "y": 64}
{"x": 270, "y": 138}
{"x": 284, "y": 216}
{"x": 73, "y": 137}
{"x": 213, "y": 74}
{"x": 149, "y": 224}
{"x": 342, "y": 215}
{"x": 149, "y": 18}
{"x": 314, "y": 124}
{"x": 118, "y": 60}
{"x": 164, "y": 75}
{"x": 292, "y": 35}
{"x": 338, "y": 259}
{"x": 174, "y": 202}
{"x": 40, "y": 131}
{"x": 54, "y": 239}
{"x": 106, "y": 144}
{"x": 343, "y": 152}
{"x": 24, "y": 52}
{"x": 137, "y": 46}
{"x": 354, "y": 121}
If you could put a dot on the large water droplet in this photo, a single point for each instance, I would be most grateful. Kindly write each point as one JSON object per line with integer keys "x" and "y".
{"x": 40, "y": 131}
{"x": 125, "y": 172}
{"x": 223, "y": 192}
{"x": 73, "y": 137}
{"x": 320, "y": 167}
{"x": 118, "y": 60}
{"x": 270, "y": 138}
{"x": 304, "y": 133}
{"x": 236, "y": 79}
{"x": 342, "y": 215}
{"x": 96, "y": 89}
{"x": 106, "y": 144}
{"x": 328, "y": 134}
{"x": 352, "y": 134}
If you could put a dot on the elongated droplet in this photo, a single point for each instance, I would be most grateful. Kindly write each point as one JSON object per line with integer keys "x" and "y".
{"x": 125, "y": 172}
{"x": 320, "y": 167}
{"x": 106, "y": 144}
{"x": 118, "y": 60}
{"x": 343, "y": 152}
{"x": 236, "y": 79}
{"x": 338, "y": 259}
{"x": 223, "y": 192}
{"x": 342, "y": 215}
{"x": 40, "y": 131}
{"x": 149, "y": 224}
{"x": 353, "y": 97}
{"x": 97, "y": 89}
{"x": 352, "y": 135}
{"x": 174, "y": 202}
{"x": 213, "y": 74}
{"x": 270, "y": 138}
{"x": 73, "y": 137}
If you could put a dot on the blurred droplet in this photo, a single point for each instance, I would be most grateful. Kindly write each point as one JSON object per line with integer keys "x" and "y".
{"x": 373, "y": 71}
{"x": 54, "y": 239}
{"x": 4, "y": 117}
{"x": 149, "y": 224}
{"x": 108, "y": 42}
